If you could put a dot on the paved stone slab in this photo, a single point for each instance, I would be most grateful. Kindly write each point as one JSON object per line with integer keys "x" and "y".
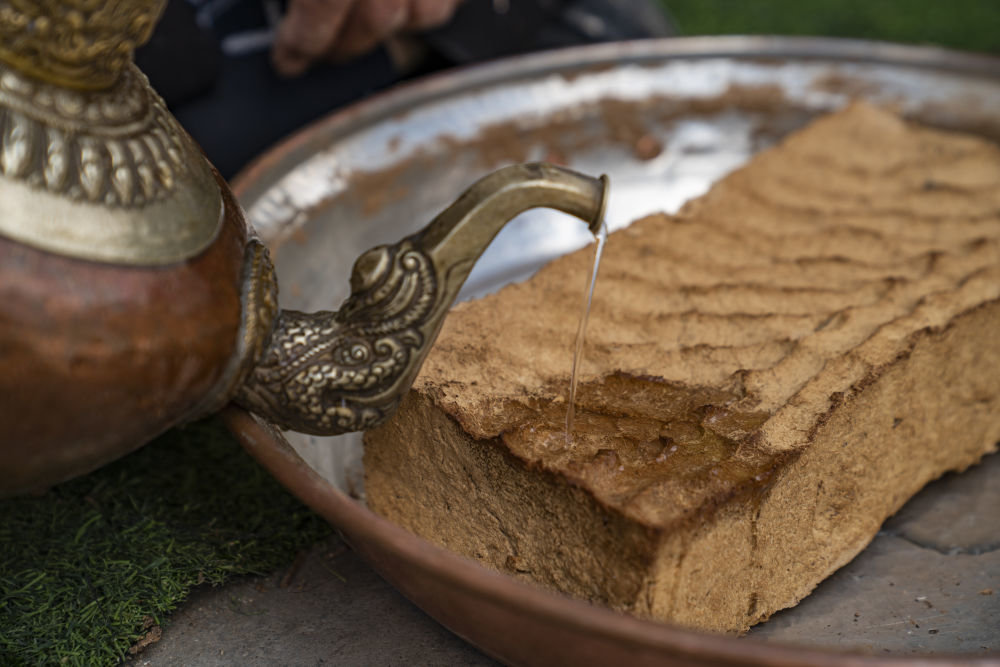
{"x": 958, "y": 514}
{"x": 327, "y": 608}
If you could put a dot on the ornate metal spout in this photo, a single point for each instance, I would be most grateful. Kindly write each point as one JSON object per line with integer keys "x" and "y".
{"x": 327, "y": 373}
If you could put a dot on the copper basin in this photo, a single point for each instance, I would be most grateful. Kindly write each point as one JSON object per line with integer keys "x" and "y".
{"x": 379, "y": 169}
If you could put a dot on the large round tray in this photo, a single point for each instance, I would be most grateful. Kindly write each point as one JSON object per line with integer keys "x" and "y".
{"x": 664, "y": 119}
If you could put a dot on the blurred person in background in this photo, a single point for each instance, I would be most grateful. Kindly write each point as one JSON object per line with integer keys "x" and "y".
{"x": 242, "y": 74}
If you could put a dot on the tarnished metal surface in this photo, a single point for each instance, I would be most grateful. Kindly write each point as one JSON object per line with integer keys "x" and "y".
{"x": 389, "y": 165}
{"x": 665, "y": 119}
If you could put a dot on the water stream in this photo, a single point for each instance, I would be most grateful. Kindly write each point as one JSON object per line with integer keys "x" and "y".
{"x": 601, "y": 236}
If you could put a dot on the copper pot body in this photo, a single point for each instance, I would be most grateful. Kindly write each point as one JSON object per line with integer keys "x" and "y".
{"x": 97, "y": 358}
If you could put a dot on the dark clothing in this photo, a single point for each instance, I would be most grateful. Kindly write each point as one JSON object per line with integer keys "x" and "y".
{"x": 210, "y": 60}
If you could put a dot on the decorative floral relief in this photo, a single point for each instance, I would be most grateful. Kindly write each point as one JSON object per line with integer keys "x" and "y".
{"x": 326, "y": 373}
{"x": 85, "y": 43}
{"x": 117, "y": 147}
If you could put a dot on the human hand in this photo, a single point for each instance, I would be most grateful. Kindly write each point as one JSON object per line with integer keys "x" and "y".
{"x": 340, "y": 29}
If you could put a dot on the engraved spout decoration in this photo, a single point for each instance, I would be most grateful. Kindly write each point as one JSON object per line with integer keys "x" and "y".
{"x": 327, "y": 373}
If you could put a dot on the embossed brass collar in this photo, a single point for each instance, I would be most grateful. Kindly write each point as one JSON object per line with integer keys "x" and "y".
{"x": 105, "y": 175}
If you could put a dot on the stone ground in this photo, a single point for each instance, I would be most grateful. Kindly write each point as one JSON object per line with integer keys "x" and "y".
{"x": 929, "y": 583}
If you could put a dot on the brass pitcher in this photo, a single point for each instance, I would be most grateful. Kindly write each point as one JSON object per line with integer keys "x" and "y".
{"x": 134, "y": 296}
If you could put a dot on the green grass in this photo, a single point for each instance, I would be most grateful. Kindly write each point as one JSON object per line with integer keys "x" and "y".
{"x": 82, "y": 566}
{"x": 961, "y": 24}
